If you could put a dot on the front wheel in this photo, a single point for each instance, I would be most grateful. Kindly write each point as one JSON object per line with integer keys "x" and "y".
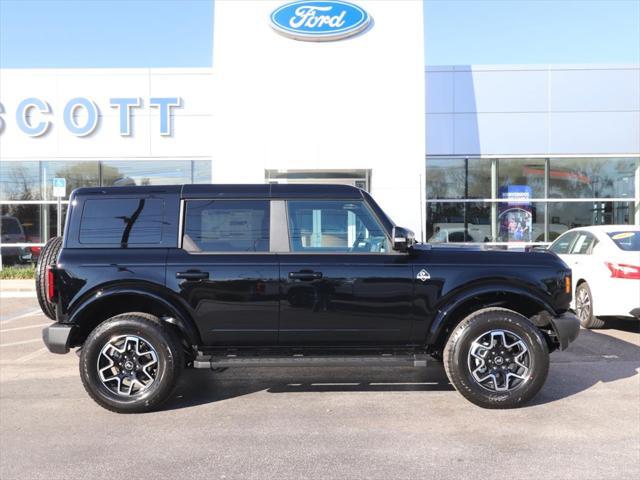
{"x": 131, "y": 363}
{"x": 496, "y": 358}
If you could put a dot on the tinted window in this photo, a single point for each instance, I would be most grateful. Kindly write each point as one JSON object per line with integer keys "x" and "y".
{"x": 122, "y": 221}
{"x": 227, "y": 226}
{"x": 10, "y": 226}
{"x": 628, "y": 241}
{"x": 562, "y": 244}
{"x": 583, "y": 244}
{"x": 334, "y": 226}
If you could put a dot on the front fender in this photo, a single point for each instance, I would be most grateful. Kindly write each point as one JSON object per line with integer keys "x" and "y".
{"x": 445, "y": 313}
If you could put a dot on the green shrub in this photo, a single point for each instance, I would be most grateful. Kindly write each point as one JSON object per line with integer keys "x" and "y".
{"x": 13, "y": 273}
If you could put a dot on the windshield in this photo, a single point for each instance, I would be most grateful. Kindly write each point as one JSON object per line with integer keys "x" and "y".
{"x": 628, "y": 241}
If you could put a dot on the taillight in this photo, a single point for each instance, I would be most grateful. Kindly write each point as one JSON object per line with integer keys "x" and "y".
{"x": 621, "y": 270}
{"x": 51, "y": 286}
{"x": 567, "y": 284}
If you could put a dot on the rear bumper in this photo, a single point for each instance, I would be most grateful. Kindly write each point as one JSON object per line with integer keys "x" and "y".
{"x": 56, "y": 337}
{"x": 566, "y": 327}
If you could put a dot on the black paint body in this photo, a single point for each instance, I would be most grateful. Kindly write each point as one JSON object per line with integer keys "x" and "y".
{"x": 343, "y": 300}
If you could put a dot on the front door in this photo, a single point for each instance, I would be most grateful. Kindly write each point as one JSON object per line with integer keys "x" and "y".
{"x": 341, "y": 283}
{"x": 224, "y": 271}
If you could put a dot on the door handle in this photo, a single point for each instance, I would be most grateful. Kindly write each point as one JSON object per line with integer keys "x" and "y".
{"x": 305, "y": 275}
{"x": 192, "y": 275}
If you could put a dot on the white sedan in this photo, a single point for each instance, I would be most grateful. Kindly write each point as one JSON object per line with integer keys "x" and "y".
{"x": 605, "y": 261}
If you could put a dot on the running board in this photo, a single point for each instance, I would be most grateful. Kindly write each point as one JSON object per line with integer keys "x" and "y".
{"x": 301, "y": 360}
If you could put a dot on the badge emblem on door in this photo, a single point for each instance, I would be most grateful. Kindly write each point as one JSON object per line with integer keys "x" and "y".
{"x": 423, "y": 275}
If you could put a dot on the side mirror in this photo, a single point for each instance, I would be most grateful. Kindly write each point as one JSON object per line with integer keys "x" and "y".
{"x": 402, "y": 239}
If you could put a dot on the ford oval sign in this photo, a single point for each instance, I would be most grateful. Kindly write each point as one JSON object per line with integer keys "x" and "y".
{"x": 319, "y": 21}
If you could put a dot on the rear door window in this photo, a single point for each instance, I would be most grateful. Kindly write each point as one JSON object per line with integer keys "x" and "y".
{"x": 122, "y": 221}
{"x": 584, "y": 244}
{"x": 226, "y": 226}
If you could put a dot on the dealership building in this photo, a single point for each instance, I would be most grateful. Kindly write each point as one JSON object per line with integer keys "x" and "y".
{"x": 467, "y": 153}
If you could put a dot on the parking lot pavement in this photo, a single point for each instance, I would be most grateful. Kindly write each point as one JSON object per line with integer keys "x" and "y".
{"x": 320, "y": 423}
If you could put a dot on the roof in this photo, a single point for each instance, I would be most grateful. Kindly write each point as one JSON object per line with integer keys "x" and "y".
{"x": 234, "y": 190}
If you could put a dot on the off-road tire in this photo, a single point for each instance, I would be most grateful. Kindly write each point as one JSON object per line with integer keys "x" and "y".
{"x": 587, "y": 320}
{"x": 456, "y": 351}
{"x": 163, "y": 340}
{"x": 48, "y": 256}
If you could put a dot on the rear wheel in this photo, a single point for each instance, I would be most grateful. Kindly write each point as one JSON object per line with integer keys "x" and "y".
{"x": 496, "y": 358}
{"x": 584, "y": 307}
{"x": 48, "y": 256}
{"x": 131, "y": 363}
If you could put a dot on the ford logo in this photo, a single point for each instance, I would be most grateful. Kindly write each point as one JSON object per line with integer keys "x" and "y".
{"x": 319, "y": 21}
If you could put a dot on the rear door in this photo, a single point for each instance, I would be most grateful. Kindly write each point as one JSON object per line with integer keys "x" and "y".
{"x": 225, "y": 272}
{"x": 341, "y": 283}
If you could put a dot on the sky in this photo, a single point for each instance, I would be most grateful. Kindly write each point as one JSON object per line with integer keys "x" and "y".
{"x": 178, "y": 33}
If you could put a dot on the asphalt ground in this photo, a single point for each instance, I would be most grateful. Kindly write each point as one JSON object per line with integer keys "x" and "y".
{"x": 322, "y": 423}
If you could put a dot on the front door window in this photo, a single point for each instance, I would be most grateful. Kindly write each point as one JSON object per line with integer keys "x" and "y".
{"x": 336, "y": 226}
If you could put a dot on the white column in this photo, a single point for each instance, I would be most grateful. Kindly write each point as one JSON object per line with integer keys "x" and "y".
{"x": 356, "y": 103}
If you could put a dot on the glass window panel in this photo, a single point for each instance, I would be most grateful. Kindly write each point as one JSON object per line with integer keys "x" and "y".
{"x": 592, "y": 177}
{"x": 627, "y": 240}
{"x": 521, "y": 176}
{"x": 78, "y": 174}
{"x": 569, "y": 215}
{"x": 583, "y": 244}
{"x": 122, "y": 221}
{"x": 20, "y": 180}
{"x": 458, "y": 222}
{"x": 35, "y": 224}
{"x": 458, "y": 178}
{"x": 521, "y": 222}
{"x": 562, "y": 244}
{"x": 227, "y": 226}
{"x": 145, "y": 172}
{"x": 335, "y": 226}
{"x": 201, "y": 171}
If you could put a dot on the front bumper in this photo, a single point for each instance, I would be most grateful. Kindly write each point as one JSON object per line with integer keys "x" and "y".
{"x": 56, "y": 337}
{"x": 566, "y": 328}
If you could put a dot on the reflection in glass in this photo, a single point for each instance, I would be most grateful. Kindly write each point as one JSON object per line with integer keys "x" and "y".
{"x": 458, "y": 178}
{"x": 78, "y": 174}
{"x": 201, "y": 171}
{"x": 20, "y": 180}
{"x": 38, "y": 221}
{"x": 458, "y": 222}
{"x": 581, "y": 214}
{"x": 522, "y": 172}
{"x": 146, "y": 172}
{"x": 592, "y": 177}
{"x": 522, "y": 222}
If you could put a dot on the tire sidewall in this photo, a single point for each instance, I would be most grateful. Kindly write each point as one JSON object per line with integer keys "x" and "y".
{"x": 589, "y": 321}
{"x": 167, "y": 372}
{"x": 538, "y": 354}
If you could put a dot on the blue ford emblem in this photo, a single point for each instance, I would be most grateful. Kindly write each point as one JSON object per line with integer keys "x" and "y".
{"x": 319, "y": 21}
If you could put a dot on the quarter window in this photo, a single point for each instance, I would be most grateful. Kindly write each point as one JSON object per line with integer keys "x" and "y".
{"x": 334, "y": 226}
{"x": 122, "y": 221}
{"x": 226, "y": 226}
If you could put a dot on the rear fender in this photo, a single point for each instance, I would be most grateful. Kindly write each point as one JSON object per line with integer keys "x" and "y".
{"x": 118, "y": 300}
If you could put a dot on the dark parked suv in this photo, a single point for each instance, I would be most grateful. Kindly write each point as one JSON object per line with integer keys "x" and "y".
{"x": 150, "y": 280}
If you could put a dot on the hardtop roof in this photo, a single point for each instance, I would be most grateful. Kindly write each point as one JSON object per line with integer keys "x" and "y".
{"x": 233, "y": 191}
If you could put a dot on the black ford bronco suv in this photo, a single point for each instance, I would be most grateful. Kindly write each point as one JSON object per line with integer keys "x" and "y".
{"x": 150, "y": 280}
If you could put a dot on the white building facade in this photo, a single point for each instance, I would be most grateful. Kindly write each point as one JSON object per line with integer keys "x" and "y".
{"x": 457, "y": 153}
